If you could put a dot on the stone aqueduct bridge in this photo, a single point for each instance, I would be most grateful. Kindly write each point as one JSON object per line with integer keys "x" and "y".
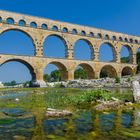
{"x": 69, "y": 33}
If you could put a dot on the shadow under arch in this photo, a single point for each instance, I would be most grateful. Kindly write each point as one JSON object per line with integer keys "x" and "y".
{"x": 127, "y": 71}
{"x": 108, "y": 71}
{"x": 88, "y": 69}
{"x": 20, "y": 31}
{"x": 87, "y": 42}
{"x": 62, "y": 68}
{"x": 113, "y": 50}
{"x": 30, "y": 68}
{"x": 60, "y": 38}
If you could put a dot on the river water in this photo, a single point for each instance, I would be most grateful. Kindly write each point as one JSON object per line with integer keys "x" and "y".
{"x": 18, "y": 123}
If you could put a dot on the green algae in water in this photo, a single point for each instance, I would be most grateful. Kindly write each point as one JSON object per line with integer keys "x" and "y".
{"x": 85, "y": 124}
{"x": 6, "y": 121}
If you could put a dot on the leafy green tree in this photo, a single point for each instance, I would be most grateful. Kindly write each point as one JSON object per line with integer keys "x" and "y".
{"x": 103, "y": 73}
{"x": 125, "y": 60}
{"x": 47, "y": 78}
{"x": 55, "y": 76}
{"x": 13, "y": 83}
{"x": 80, "y": 74}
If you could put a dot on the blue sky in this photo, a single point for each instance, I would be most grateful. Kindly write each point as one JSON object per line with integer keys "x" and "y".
{"x": 120, "y": 16}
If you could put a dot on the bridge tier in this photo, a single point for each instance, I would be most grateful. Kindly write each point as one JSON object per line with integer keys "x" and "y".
{"x": 38, "y": 29}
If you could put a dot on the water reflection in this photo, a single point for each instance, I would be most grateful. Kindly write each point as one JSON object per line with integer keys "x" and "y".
{"x": 69, "y": 127}
{"x": 106, "y": 122}
{"x": 15, "y": 126}
{"x": 85, "y": 124}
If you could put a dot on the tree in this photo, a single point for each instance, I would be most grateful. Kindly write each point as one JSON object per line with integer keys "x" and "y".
{"x": 103, "y": 73}
{"x": 47, "y": 78}
{"x": 13, "y": 83}
{"x": 55, "y": 76}
{"x": 80, "y": 74}
{"x": 125, "y": 60}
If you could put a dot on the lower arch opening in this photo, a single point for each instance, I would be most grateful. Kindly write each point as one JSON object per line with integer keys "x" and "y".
{"x": 13, "y": 72}
{"x": 127, "y": 71}
{"x": 55, "y": 72}
{"x": 84, "y": 71}
{"x": 108, "y": 71}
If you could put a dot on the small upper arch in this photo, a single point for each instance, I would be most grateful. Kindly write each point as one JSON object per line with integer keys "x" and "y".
{"x": 91, "y": 34}
{"x": 99, "y": 35}
{"x": 33, "y": 24}
{"x": 65, "y": 30}
{"x": 54, "y": 28}
{"x": 10, "y": 20}
{"x": 120, "y": 38}
{"x": 126, "y": 40}
{"x": 106, "y": 37}
{"x": 136, "y": 41}
{"x": 114, "y": 38}
{"x": 83, "y": 33}
{"x": 44, "y": 26}
{"x": 74, "y": 31}
{"x": 131, "y": 40}
{"x": 22, "y": 22}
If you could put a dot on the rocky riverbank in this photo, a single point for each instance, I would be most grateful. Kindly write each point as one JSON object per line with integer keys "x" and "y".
{"x": 93, "y": 83}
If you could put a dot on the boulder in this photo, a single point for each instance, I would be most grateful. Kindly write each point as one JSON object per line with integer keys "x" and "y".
{"x": 136, "y": 91}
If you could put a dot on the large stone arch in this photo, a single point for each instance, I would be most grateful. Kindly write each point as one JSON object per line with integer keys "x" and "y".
{"x": 89, "y": 70}
{"x": 127, "y": 71}
{"x": 59, "y": 37}
{"x": 113, "y": 49}
{"x": 62, "y": 68}
{"x": 109, "y": 70}
{"x": 130, "y": 50}
{"x": 89, "y": 43}
{"x": 18, "y": 29}
{"x": 22, "y": 31}
{"x": 24, "y": 62}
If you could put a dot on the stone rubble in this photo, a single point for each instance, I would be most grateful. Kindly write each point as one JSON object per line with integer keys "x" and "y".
{"x": 93, "y": 83}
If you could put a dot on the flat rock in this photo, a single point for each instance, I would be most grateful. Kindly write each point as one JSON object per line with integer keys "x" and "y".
{"x": 109, "y": 105}
{"x": 57, "y": 113}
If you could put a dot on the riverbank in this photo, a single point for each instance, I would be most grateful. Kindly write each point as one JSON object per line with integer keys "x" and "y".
{"x": 124, "y": 82}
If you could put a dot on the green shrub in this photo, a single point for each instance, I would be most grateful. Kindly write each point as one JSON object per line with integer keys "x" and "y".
{"x": 117, "y": 80}
{"x": 129, "y": 79}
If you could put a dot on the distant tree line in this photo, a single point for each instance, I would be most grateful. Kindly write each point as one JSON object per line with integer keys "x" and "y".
{"x": 12, "y": 83}
{"x": 55, "y": 75}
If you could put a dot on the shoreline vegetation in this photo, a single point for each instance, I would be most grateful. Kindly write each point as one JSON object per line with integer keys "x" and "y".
{"x": 61, "y": 98}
